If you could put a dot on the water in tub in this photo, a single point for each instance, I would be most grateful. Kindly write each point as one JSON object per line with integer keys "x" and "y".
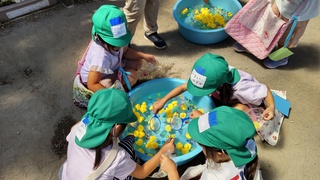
{"x": 148, "y": 140}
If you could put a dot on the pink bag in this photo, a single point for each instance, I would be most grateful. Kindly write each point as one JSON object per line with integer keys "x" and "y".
{"x": 257, "y": 28}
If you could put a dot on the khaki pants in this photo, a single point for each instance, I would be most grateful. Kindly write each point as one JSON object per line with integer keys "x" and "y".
{"x": 134, "y": 10}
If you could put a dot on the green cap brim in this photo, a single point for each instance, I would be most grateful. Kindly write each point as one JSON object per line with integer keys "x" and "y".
{"x": 195, "y": 91}
{"x": 117, "y": 42}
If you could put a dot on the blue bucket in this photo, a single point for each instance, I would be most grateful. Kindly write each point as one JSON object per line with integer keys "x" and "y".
{"x": 200, "y": 36}
{"x": 165, "y": 85}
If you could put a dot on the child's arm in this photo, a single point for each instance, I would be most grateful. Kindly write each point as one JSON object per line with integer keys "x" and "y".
{"x": 175, "y": 92}
{"x": 93, "y": 83}
{"x": 137, "y": 55}
{"x": 170, "y": 167}
{"x": 195, "y": 113}
{"x": 143, "y": 171}
{"x": 268, "y": 113}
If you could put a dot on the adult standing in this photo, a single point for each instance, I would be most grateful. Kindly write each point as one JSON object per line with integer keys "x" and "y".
{"x": 135, "y": 9}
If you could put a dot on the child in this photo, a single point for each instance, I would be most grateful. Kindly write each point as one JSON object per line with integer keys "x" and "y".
{"x": 92, "y": 140}
{"x": 285, "y": 9}
{"x": 108, "y": 51}
{"x": 231, "y": 153}
{"x": 232, "y": 87}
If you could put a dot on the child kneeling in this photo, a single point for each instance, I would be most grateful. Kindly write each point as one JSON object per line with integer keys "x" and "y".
{"x": 231, "y": 152}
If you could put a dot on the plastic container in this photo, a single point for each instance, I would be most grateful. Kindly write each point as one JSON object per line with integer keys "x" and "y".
{"x": 166, "y": 85}
{"x": 255, "y": 114}
{"x": 199, "y": 36}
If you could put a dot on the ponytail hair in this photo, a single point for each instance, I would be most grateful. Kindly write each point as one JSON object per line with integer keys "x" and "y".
{"x": 251, "y": 168}
{"x": 98, "y": 150}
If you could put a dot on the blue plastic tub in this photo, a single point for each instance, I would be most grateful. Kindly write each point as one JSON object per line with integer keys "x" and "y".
{"x": 200, "y": 36}
{"x": 165, "y": 85}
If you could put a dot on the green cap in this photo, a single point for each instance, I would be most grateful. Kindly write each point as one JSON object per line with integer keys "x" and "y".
{"x": 110, "y": 23}
{"x": 106, "y": 108}
{"x": 229, "y": 129}
{"x": 208, "y": 73}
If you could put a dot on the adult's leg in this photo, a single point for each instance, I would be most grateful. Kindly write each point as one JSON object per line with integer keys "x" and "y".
{"x": 150, "y": 24}
{"x": 151, "y": 11}
{"x": 134, "y": 10}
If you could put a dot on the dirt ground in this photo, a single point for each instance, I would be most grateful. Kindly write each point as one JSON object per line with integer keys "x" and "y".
{"x": 38, "y": 56}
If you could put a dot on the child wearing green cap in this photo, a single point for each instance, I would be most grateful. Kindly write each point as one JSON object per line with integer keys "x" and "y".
{"x": 108, "y": 56}
{"x": 231, "y": 153}
{"x": 93, "y": 141}
{"x": 211, "y": 75}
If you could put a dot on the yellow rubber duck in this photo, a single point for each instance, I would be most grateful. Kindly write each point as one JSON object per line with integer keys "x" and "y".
{"x": 179, "y": 145}
{"x": 188, "y": 136}
{"x": 183, "y": 115}
{"x": 168, "y": 128}
{"x": 140, "y": 128}
{"x": 153, "y": 138}
{"x": 187, "y": 146}
{"x": 184, "y": 151}
{"x": 184, "y": 11}
{"x": 141, "y": 150}
{"x": 141, "y": 134}
{"x": 136, "y": 133}
{"x": 139, "y": 142}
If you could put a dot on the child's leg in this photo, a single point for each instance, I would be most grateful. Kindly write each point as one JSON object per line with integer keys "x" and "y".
{"x": 297, "y": 32}
{"x": 132, "y": 78}
{"x": 132, "y": 64}
{"x": 296, "y": 35}
{"x": 108, "y": 81}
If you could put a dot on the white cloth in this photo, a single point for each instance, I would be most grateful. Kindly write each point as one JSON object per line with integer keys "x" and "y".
{"x": 226, "y": 170}
{"x": 80, "y": 162}
{"x": 221, "y": 171}
{"x": 249, "y": 90}
{"x": 99, "y": 59}
{"x": 288, "y": 7}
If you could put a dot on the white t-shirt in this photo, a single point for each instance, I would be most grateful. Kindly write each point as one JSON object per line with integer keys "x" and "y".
{"x": 288, "y": 7}
{"x": 226, "y": 170}
{"x": 98, "y": 59}
{"x": 80, "y": 162}
{"x": 221, "y": 171}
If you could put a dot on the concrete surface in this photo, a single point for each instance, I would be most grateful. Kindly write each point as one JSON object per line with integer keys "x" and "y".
{"x": 38, "y": 55}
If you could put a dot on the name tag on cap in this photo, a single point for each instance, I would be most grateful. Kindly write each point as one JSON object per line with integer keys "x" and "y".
{"x": 82, "y": 128}
{"x": 119, "y": 30}
{"x": 251, "y": 146}
{"x": 197, "y": 79}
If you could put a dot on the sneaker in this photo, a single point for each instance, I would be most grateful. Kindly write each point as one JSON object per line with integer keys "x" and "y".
{"x": 239, "y": 48}
{"x": 274, "y": 64}
{"x": 158, "y": 42}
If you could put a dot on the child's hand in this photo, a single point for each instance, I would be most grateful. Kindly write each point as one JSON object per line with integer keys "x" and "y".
{"x": 168, "y": 146}
{"x": 195, "y": 114}
{"x": 167, "y": 164}
{"x": 150, "y": 58}
{"x": 268, "y": 114}
{"x": 157, "y": 106}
